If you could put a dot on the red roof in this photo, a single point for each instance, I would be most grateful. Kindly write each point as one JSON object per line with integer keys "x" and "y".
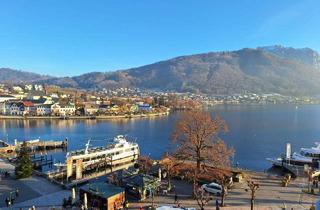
{"x": 27, "y": 103}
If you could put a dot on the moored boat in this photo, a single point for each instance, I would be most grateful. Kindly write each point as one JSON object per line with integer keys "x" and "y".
{"x": 306, "y": 156}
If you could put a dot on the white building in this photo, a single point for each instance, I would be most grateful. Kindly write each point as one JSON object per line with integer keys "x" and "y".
{"x": 63, "y": 109}
{"x": 4, "y": 98}
{"x": 91, "y": 109}
{"x": 38, "y": 87}
{"x": 43, "y": 110}
{"x": 17, "y": 89}
{"x": 28, "y": 87}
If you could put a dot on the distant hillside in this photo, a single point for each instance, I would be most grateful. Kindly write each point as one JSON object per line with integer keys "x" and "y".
{"x": 255, "y": 70}
{"x": 277, "y": 69}
{"x": 16, "y": 76}
{"x": 304, "y": 55}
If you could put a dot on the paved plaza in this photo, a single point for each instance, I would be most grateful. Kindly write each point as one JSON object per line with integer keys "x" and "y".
{"x": 271, "y": 195}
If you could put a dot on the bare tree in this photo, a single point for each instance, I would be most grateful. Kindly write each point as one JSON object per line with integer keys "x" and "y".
{"x": 253, "y": 186}
{"x": 219, "y": 155}
{"x": 196, "y": 133}
{"x": 202, "y": 198}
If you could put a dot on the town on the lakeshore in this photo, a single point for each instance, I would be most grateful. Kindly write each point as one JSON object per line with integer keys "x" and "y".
{"x": 39, "y": 100}
{"x": 30, "y": 100}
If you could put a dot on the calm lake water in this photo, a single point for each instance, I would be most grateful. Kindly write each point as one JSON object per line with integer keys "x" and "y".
{"x": 256, "y": 131}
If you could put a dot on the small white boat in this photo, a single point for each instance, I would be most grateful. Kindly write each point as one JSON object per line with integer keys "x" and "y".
{"x": 60, "y": 165}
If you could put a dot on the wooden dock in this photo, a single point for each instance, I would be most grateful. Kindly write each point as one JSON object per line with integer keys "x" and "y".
{"x": 300, "y": 170}
{"x": 294, "y": 169}
{"x": 34, "y": 145}
{"x": 104, "y": 172}
{"x": 89, "y": 172}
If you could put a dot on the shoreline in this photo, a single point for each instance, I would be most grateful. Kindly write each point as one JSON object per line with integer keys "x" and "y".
{"x": 100, "y": 117}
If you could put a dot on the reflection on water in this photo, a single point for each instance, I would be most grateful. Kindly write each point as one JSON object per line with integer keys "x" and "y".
{"x": 256, "y": 131}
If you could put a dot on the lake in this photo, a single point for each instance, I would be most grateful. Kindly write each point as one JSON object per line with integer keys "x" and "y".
{"x": 256, "y": 131}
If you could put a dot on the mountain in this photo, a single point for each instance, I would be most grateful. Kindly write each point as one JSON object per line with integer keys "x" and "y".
{"x": 16, "y": 76}
{"x": 304, "y": 55}
{"x": 273, "y": 69}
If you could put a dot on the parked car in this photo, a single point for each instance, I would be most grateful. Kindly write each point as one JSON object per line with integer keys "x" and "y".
{"x": 212, "y": 188}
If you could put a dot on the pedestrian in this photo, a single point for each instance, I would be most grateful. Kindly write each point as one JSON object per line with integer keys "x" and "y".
{"x": 17, "y": 192}
{"x": 175, "y": 198}
{"x": 217, "y": 205}
{"x": 312, "y": 207}
{"x": 7, "y": 201}
{"x": 125, "y": 204}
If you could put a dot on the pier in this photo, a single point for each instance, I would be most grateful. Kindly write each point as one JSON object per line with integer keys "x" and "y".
{"x": 35, "y": 145}
{"x": 82, "y": 172}
{"x": 294, "y": 169}
{"x": 41, "y": 161}
{"x": 300, "y": 171}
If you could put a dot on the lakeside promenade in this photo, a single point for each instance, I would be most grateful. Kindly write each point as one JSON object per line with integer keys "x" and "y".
{"x": 99, "y": 117}
{"x": 271, "y": 195}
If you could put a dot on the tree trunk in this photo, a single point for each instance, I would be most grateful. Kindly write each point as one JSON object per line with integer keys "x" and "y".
{"x": 169, "y": 181}
{"x": 198, "y": 165}
{"x": 223, "y": 196}
{"x": 252, "y": 202}
{"x": 194, "y": 186}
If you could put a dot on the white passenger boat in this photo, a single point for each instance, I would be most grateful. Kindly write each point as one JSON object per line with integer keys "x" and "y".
{"x": 295, "y": 159}
{"x": 117, "y": 151}
{"x": 313, "y": 152}
{"x": 306, "y": 156}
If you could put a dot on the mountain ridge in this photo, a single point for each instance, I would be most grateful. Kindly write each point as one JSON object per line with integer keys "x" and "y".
{"x": 278, "y": 69}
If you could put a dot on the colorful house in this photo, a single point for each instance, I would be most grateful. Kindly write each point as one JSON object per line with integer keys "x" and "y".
{"x": 14, "y": 108}
{"x": 102, "y": 196}
{"x": 144, "y": 107}
{"x": 43, "y": 109}
{"x": 29, "y": 108}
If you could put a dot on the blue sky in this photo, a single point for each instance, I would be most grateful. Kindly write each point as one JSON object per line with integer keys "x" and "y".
{"x": 71, "y": 37}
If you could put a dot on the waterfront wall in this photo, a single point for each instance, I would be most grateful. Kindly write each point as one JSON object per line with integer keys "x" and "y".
{"x": 4, "y": 117}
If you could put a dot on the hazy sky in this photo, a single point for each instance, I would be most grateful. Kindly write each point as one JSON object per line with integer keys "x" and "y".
{"x": 71, "y": 37}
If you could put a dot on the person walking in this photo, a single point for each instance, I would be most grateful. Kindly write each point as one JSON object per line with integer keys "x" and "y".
{"x": 126, "y": 205}
{"x": 217, "y": 205}
{"x": 7, "y": 201}
{"x": 175, "y": 198}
